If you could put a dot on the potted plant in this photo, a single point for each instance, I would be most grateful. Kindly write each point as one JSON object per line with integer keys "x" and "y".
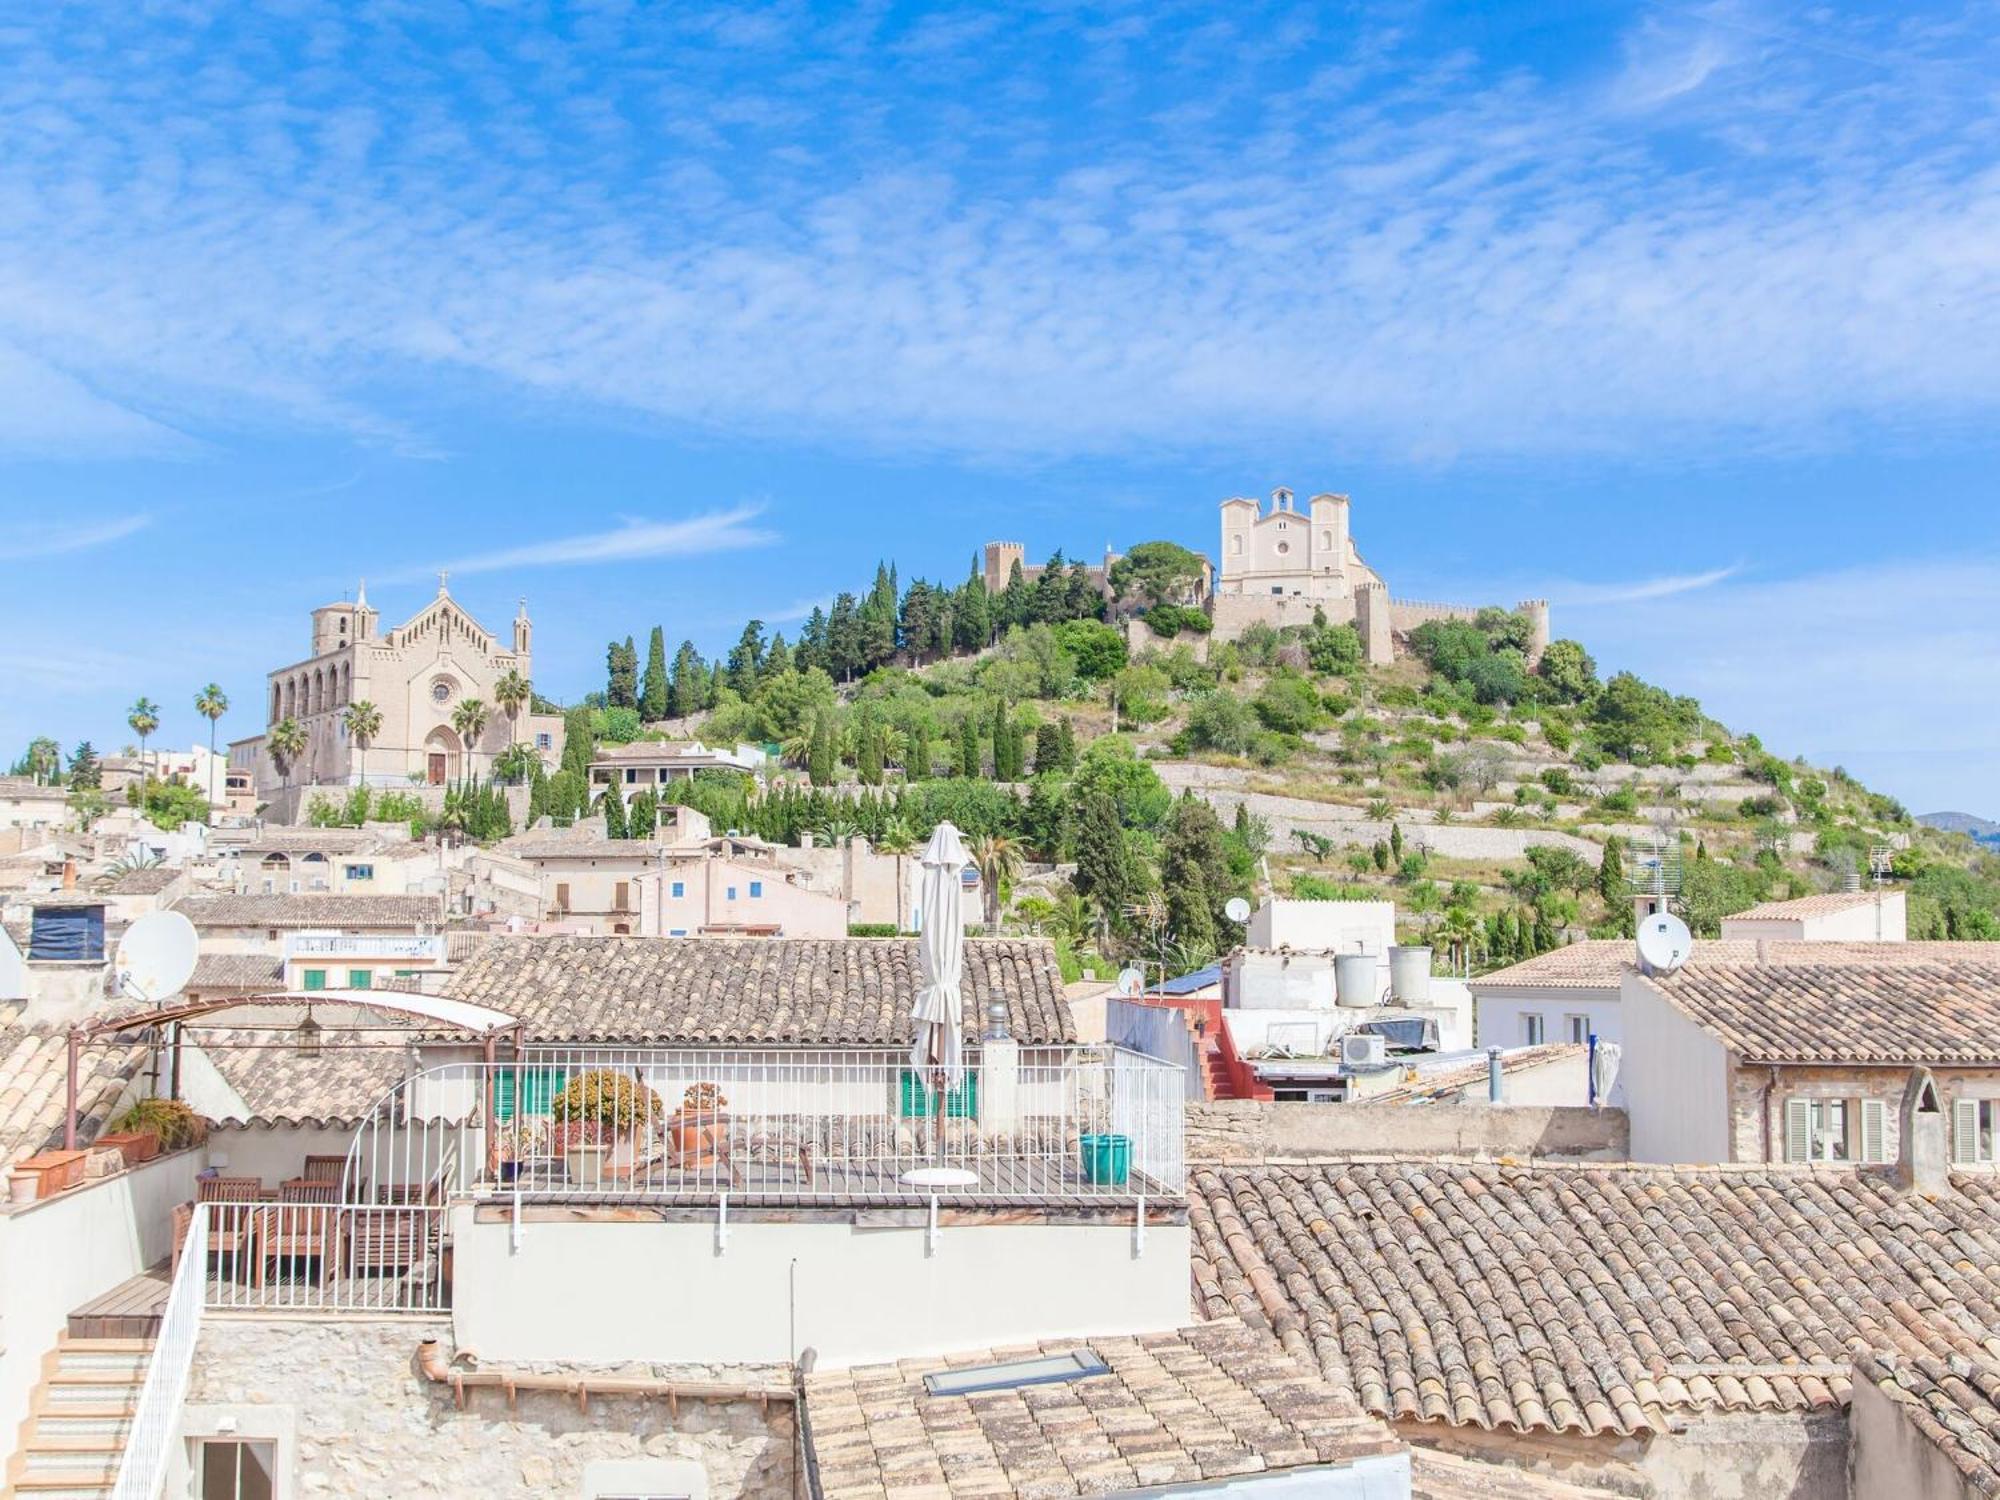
{"x": 170, "y": 1122}
{"x": 596, "y": 1114}
{"x": 525, "y": 1142}
{"x": 699, "y": 1125}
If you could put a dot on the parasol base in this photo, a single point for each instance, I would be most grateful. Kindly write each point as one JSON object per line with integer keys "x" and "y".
{"x": 938, "y": 1177}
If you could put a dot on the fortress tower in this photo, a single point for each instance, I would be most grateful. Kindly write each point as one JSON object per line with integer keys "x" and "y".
{"x": 1000, "y": 560}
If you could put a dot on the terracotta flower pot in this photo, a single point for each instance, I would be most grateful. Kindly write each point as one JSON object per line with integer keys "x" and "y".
{"x": 698, "y": 1136}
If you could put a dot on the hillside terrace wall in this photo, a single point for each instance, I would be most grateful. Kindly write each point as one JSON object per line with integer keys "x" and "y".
{"x": 1248, "y": 1130}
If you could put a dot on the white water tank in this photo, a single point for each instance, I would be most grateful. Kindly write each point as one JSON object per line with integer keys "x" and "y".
{"x": 1410, "y": 974}
{"x": 1357, "y": 980}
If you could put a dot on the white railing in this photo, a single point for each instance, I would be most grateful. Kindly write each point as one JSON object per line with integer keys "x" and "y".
{"x": 289, "y": 1256}
{"x": 347, "y": 945}
{"x": 156, "y": 1420}
{"x": 795, "y": 1125}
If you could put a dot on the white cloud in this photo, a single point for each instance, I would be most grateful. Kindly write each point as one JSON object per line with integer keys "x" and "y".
{"x": 631, "y": 541}
{"x": 24, "y": 539}
{"x": 1583, "y": 595}
{"x": 1427, "y": 253}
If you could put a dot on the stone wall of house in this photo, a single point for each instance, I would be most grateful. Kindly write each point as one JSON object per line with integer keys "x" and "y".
{"x": 1757, "y": 1112}
{"x": 362, "y": 1421}
{"x": 1246, "y": 1130}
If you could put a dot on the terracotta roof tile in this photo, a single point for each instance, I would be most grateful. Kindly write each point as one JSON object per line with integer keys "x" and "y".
{"x": 1199, "y": 1404}
{"x": 1592, "y": 1298}
{"x": 248, "y": 972}
{"x": 728, "y": 991}
{"x": 340, "y": 1086}
{"x": 1600, "y": 963}
{"x": 34, "y": 1074}
{"x": 1954, "y": 1402}
{"x": 1945, "y": 1012}
{"x": 400, "y": 913}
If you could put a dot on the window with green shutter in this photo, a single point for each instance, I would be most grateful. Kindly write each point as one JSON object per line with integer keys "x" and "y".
{"x": 538, "y": 1086}
{"x": 960, "y": 1103}
{"x": 360, "y": 979}
{"x": 315, "y": 979}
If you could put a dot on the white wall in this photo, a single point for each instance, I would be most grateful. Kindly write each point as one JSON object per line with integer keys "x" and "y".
{"x": 1887, "y": 1455}
{"x": 606, "y": 1293}
{"x": 1336, "y": 926}
{"x": 1501, "y": 1015}
{"x": 59, "y": 1253}
{"x": 1676, "y": 1081}
{"x": 1883, "y": 920}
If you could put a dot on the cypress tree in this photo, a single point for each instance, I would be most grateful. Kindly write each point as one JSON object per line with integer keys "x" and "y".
{"x": 917, "y": 759}
{"x": 1103, "y": 860}
{"x": 819, "y": 759}
{"x": 1611, "y": 874}
{"x": 1048, "y": 748}
{"x": 968, "y": 747}
{"x": 654, "y": 695}
{"x": 614, "y": 814}
{"x": 1068, "y": 745}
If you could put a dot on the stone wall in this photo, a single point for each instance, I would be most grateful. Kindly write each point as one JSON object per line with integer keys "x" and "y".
{"x": 1248, "y": 1130}
{"x": 353, "y": 1417}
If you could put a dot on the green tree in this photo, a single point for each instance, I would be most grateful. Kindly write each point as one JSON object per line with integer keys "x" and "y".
{"x": 898, "y": 840}
{"x": 746, "y": 657}
{"x": 469, "y": 718}
{"x": 513, "y": 692}
{"x": 654, "y": 689}
{"x": 1567, "y": 668}
{"x": 1157, "y": 573}
{"x": 820, "y": 762}
{"x": 286, "y": 742}
{"x": 85, "y": 769}
{"x": 968, "y": 747}
{"x": 43, "y": 760}
{"x": 1104, "y": 873}
{"x": 621, "y": 675}
{"x": 613, "y": 807}
{"x": 687, "y": 691}
{"x": 1611, "y": 874}
{"x": 1097, "y": 649}
{"x": 1195, "y": 873}
{"x": 1288, "y": 704}
{"x": 144, "y": 717}
{"x": 998, "y": 860}
{"x": 211, "y": 703}
{"x": 1221, "y": 721}
{"x": 363, "y": 721}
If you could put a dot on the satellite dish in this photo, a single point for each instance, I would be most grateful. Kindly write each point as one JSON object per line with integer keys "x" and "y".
{"x": 156, "y": 956}
{"x": 1664, "y": 943}
{"x": 1237, "y": 909}
{"x": 1131, "y": 983}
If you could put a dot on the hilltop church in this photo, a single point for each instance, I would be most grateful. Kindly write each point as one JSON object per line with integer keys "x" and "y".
{"x": 417, "y": 674}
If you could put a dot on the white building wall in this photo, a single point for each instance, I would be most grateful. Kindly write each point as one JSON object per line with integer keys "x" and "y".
{"x": 1332, "y": 926}
{"x": 59, "y": 1253}
{"x": 1502, "y": 1019}
{"x": 606, "y": 1293}
{"x": 1676, "y": 1081}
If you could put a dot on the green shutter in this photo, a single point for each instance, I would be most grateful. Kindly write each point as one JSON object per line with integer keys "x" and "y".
{"x": 360, "y": 979}
{"x": 315, "y": 979}
{"x": 961, "y": 1103}
{"x": 539, "y": 1085}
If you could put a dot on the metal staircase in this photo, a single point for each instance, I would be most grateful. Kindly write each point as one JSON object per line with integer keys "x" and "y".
{"x": 78, "y": 1420}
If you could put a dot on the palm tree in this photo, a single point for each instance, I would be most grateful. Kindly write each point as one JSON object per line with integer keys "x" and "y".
{"x": 1072, "y": 921}
{"x": 469, "y": 719}
{"x": 899, "y": 839}
{"x": 287, "y": 742}
{"x": 512, "y": 692}
{"x": 144, "y": 719}
{"x": 211, "y": 703}
{"x": 363, "y": 721}
{"x": 998, "y": 859}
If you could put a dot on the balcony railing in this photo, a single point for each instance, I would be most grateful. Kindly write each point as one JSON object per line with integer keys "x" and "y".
{"x": 340, "y": 945}
{"x": 785, "y": 1125}
{"x": 156, "y": 1418}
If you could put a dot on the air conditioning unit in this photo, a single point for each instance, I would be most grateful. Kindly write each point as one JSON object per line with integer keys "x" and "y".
{"x": 1364, "y": 1049}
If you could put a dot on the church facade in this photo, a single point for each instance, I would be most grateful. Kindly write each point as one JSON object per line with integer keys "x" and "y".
{"x": 417, "y": 675}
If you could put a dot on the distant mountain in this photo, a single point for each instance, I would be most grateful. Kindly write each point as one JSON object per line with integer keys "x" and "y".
{"x": 1985, "y": 830}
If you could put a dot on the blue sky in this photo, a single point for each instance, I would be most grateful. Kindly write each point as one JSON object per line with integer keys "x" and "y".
{"x": 1687, "y": 317}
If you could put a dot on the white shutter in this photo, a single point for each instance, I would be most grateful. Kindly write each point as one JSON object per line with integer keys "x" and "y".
{"x": 1874, "y": 1130}
{"x": 1798, "y": 1130}
{"x": 1965, "y": 1131}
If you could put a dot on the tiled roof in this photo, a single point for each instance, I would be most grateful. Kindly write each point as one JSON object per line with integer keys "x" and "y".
{"x": 1844, "y": 1013}
{"x": 821, "y": 991}
{"x": 1446, "y": 1476}
{"x": 1199, "y": 1405}
{"x": 235, "y": 971}
{"x": 1600, "y": 963}
{"x": 1954, "y": 1403}
{"x": 339, "y": 1087}
{"x": 580, "y": 848}
{"x": 1823, "y": 904}
{"x": 314, "y": 910}
{"x": 1593, "y": 1298}
{"x": 34, "y": 1074}
{"x": 148, "y": 881}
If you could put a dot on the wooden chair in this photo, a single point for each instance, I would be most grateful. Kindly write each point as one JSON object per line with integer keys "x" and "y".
{"x": 231, "y": 1231}
{"x": 229, "y": 1190}
{"x": 325, "y": 1168}
{"x": 303, "y": 1225}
